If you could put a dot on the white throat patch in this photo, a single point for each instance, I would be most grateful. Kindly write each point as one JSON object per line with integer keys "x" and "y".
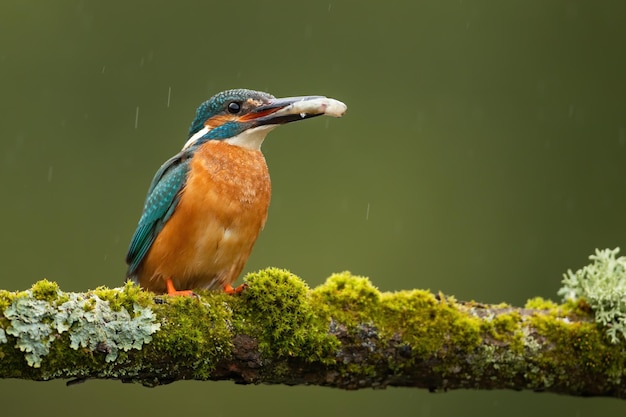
{"x": 195, "y": 137}
{"x": 251, "y": 138}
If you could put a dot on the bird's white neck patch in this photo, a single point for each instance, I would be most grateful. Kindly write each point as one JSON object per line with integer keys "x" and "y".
{"x": 195, "y": 137}
{"x": 251, "y": 138}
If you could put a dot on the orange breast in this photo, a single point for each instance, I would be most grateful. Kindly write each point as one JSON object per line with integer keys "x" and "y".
{"x": 207, "y": 241}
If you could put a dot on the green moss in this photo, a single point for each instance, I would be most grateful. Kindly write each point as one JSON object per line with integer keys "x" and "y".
{"x": 277, "y": 303}
{"x": 575, "y": 345}
{"x": 381, "y": 332}
{"x": 428, "y": 323}
{"x": 507, "y": 323}
{"x": 197, "y": 332}
{"x": 45, "y": 290}
{"x": 504, "y": 327}
{"x": 360, "y": 370}
{"x": 352, "y": 298}
{"x": 125, "y": 298}
{"x": 539, "y": 303}
{"x": 90, "y": 304}
{"x": 6, "y": 298}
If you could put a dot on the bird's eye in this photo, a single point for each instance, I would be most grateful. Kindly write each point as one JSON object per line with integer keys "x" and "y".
{"x": 234, "y": 107}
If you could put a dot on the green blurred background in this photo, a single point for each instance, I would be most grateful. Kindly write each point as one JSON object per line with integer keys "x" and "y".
{"x": 482, "y": 155}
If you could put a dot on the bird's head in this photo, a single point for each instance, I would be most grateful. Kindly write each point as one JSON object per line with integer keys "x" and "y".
{"x": 244, "y": 117}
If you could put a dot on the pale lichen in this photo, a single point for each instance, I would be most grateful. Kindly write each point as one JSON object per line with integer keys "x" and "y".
{"x": 30, "y": 324}
{"x": 100, "y": 327}
{"x": 38, "y": 317}
{"x": 602, "y": 284}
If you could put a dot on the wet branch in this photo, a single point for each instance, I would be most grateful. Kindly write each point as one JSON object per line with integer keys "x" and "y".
{"x": 343, "y": 334}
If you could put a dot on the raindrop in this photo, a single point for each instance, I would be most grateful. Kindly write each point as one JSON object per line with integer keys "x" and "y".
{"x": 50, "y": 173}
{"x": 137, "y": 117}
{"x": 169, "y": 96}
{"x": 367, "y": 212}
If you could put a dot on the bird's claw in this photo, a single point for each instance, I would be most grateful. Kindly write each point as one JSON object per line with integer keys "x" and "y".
{"x": 172, "y": 291}
{"x": 183, "y": 293}
{"x": 228, "y": 289}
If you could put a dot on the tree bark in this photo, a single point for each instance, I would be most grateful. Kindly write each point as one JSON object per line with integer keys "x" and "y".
{"x": 344, "y": 334}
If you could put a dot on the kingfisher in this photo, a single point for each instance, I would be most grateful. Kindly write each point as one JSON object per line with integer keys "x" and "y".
{"x": 207, "y": 204}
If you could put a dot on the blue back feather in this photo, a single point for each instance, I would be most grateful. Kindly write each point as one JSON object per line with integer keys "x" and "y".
{"x": 161, "y": 201}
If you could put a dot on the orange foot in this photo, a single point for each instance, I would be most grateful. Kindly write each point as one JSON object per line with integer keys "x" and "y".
{"x": 228, "y": 289}
{"x": 171, "y": 290}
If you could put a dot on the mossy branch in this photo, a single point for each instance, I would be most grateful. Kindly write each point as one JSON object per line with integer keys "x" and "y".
{"x": 343, "y": 334}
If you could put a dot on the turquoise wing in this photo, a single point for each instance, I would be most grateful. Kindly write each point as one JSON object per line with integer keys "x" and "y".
{"x": 161, "y": 201}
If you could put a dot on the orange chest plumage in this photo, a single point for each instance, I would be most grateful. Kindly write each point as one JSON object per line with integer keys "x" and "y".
{"x": 210, "y": 235}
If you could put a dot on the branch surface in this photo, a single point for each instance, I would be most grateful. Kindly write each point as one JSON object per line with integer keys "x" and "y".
{"x": 344, "y": 334}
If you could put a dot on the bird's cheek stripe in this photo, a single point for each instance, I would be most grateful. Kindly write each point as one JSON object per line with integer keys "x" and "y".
{"x": 222, "y": 119}
{"x": 219, "y": 120}
{"x": 255, "y": 115}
